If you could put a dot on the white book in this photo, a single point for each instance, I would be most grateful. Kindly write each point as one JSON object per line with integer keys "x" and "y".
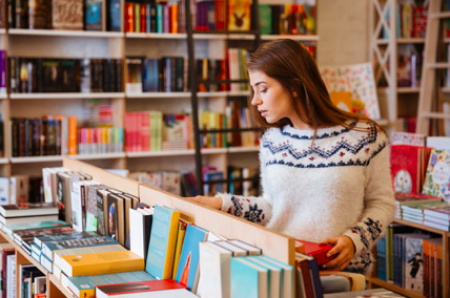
{"x": 214, "y": 271}
{"x": 11, "y": 273}
{"x": 77, "y": 202}
{"x": 439, "y": 143}
{"x": 5, "y": 191}
{"x": 179, "y": 293}
{"x": 138, "y": 243}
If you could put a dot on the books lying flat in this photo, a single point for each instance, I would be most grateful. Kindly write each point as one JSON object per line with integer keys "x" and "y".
{"x": 28, "y": 209}
{"x": 101, "y": 263}
{"x": 166, "y": 288}
{"x": 19, "y": 236}
{"x": 9, "y": 229}
{"x": 84, "y": 286}
{"x": 49, "y": 247}
{"x": 63, "y": 236}
{"x": 27, "y": 219}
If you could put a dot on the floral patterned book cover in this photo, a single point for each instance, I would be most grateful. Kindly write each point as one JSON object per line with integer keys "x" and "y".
{"x": 437, "y": 179}
{"x": 357, "y": 79}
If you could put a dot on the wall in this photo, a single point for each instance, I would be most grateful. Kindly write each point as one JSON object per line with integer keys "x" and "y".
{"x": 343, "y": 27}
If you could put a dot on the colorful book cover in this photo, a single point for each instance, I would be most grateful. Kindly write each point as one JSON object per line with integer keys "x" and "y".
{"x": 84, "y": 286}
{"x": 101, "y": 263}
{"x": 438, "y": 175}
{"x": 357, "y": 79}
{"x": 188, "y": 269}
{"x": 407, "y": 138}
{"x": 248, "y": 280}
{"x": 414, "y": 262}
{"x": 163, "y": 237}
{"x": 39, "y": 240}
{"x": 182, "y": 226}
{"x": 93, "y": 17}
{"x": 9, "y": 229}
{"x": 239, "y": 15}
{"x": 404, "y": 163}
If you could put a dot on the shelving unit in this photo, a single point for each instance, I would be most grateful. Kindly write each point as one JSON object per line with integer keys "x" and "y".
{"x": 395, "y": 102}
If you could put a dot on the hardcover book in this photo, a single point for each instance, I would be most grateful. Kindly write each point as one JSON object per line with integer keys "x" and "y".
{"x": 438, "y": 175}
{"x": 248, "y": 280}
{"x": 28, "y": 209}
{"x": 101, "y": 263}
{"x": 84, "y": 286}
{"x": 34, "y": 226}
{"x": 153, "y": 288}
{"x": 94, "y": 15}
{"x": 67, "y": 14}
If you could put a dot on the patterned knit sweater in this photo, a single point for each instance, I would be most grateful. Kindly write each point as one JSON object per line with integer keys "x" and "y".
{"x": 340, "y": 186}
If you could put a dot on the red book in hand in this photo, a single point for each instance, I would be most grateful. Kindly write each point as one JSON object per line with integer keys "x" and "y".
{"x": 316, "y": 250}
{"x": 151, "y": 288}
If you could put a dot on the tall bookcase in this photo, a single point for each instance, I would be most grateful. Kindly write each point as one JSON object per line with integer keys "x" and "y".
{"x": 385, "y": 46}
{"x": 119, "y": 45}
{"x": 273, "y": 244}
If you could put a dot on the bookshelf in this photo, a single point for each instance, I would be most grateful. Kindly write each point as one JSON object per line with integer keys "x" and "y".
{"x": 398, "y": 101}
{"x": 273, "y": 244}
{"x": 374, "y": 281}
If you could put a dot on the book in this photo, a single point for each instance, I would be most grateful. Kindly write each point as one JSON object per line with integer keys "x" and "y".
{"x": 93, "y": 17}
{"x": 372, "y": 293}
{"x": 274, "y": 277}
{"x": 188, "y": 270}
{"x": 67, "y": 14}
{"x": 34, "y": 226}
{"x": 248, "y": 280}
{"x": 28, "y": 209}
{"x": 215, "y": 270}
{"x": 26, "y": 219}
{"x": 437, "y": 176}
{"x": 63, "y": 196}
{"x": 182, "y": 226}
{"x": 101, "y": 263}
{"x": 287, "y": 288}
{"x": 84, "y": 286}
{"x": 316, "y": 250}
{"x": 252, "y": 250}
{"x": 152, "y": 288}
{"x": 161, "y": 248}
{"x": 141, "y": 221}
{"x": 115, "y": 217}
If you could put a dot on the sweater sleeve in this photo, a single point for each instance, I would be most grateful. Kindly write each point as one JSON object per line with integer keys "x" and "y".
{"x": 254, "y": 209}
{"x": 379, "y": 202}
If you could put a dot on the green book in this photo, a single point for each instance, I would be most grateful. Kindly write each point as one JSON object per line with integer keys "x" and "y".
{"x": 84, "y": 286}
{"x": 265, "y": 19}
{"x": 10, "y": 229}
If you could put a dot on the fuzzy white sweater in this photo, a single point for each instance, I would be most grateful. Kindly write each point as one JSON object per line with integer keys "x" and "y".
{"x": 339, "y": 186}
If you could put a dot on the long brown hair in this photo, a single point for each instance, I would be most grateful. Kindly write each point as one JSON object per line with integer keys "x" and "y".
{"x": 291, "y": 64}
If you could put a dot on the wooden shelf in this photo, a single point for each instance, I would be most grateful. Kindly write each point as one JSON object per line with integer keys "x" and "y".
{"x": 160, "y": 153}
{"x": 66, "y": 33}
{"x": 159, "y": 95}
{"x": 440, "y": 15}
{"x": 214, "y": 150}
{"x": 394, "y": 288}
{"x": 294, "y": 37}
{"x": 3, "y": 96}
{"x": 55, "y": 282}
{"x": 243, "y": 149}
{"x": 441, "y": 65}
{"x": 4, "y": 161}
{"x": 66, "y": 95}
{"x": 422, "y": 227}
{"x": 382, "y": 122}
{"x": 36, "y": 159}
{"x": 98, "y": 156}
{"x": 403, "y": 90}
{"x": 183, "y": 36}
{"x": 410, "y": 40}
{"x": 155, "y": 35}
{"x": 445, "y": 89}
{"x": 2, "y": 31}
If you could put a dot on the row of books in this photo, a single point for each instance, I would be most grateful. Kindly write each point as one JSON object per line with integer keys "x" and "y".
{"x": 35, "y": 75}
{"x": 92, "y": 15}
{"x": 412, "y": 260}
{"x": 289, "y": 19}
{"x": 58, "y": 135}
{"x": 411, "y": 19}
{"x": 20, "y": 189}
{"x": 149, "y": 17}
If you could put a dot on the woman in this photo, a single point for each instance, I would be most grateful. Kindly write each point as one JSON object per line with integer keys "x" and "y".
{"x": 325, "y": 172}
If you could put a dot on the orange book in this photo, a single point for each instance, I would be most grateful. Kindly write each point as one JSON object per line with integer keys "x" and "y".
{"x": 174, "y": 18}
{"x": 101, "y": 263}
{"x": 73, "y": 135}
{"x": 129, "y": 25}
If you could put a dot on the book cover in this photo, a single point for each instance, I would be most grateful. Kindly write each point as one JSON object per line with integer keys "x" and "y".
{"x": 63, "y": 196}
{"x": 67, "y": 14}
{"x": 84, "y": 286}
{"x": 414, "y": 262}
{"x": 152, "y": 288}
{"x": 141, "y": 221}
{"x": 188, "y": 269}
{"x": 28, "y": 209}
{"x": 101, "y": 263}
{"x": 438, "y": 175}
{"x": 287, "y": 275}
{"x": 115, "y": 217}
{"x": 114, "y": 15}
{"x": 239, "y": 15}
{"x": 39, "y": 240}
{"x": 93, "y": 17}
{"x": 162, "y": 243}
{"x": 182, "y": 226}
{"x": 248, "y": 280}
{"x": 34, "y": 226}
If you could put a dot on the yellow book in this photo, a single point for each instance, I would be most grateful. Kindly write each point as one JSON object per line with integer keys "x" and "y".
{"x": 182, "y": 225}
{"x": 101, "y": 263}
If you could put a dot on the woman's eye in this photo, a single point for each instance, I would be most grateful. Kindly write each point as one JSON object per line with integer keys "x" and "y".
{"x": 263, "y": 90}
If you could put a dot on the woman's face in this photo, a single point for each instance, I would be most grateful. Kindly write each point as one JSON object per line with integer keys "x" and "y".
{"x": 270, "y": 98}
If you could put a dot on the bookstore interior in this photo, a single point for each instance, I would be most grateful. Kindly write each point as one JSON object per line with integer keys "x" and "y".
{"x": 121, "y": 121}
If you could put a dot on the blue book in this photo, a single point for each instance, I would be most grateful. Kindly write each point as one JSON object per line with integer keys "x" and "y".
{"x": 247, "y": 280}
{"x": 150, "y": 73}
{"x": 188, "y": 269}
{"x": 66, "y": 236}
{"x": 274, "y": 276}
{"x": 84, "y": 286}
{"x": 93, "y": 15}
{"x": 161, "y": 247}
{"x": 287, "y": 278}
{"x": 114, "y": 22}
{"x": 159, "y": 18}
{"x": 49, "y": 247}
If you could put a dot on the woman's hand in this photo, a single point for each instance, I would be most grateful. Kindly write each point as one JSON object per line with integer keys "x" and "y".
{"x": 211, "y": 202}
{"x": 344, "y": 248}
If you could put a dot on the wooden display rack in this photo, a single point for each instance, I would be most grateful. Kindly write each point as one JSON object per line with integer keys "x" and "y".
{"x": 273, "y": 244}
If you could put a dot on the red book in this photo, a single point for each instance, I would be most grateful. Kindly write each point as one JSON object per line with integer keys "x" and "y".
{"x": 152, "y": 288}
{"x": 316, "y": 250}
{"x": 129, "y": 17}
{"x": 143, "y": 17}
{"x": 404, "y": 162}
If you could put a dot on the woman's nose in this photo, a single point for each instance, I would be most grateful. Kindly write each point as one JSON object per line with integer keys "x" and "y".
{"x": 256, "y": 100}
